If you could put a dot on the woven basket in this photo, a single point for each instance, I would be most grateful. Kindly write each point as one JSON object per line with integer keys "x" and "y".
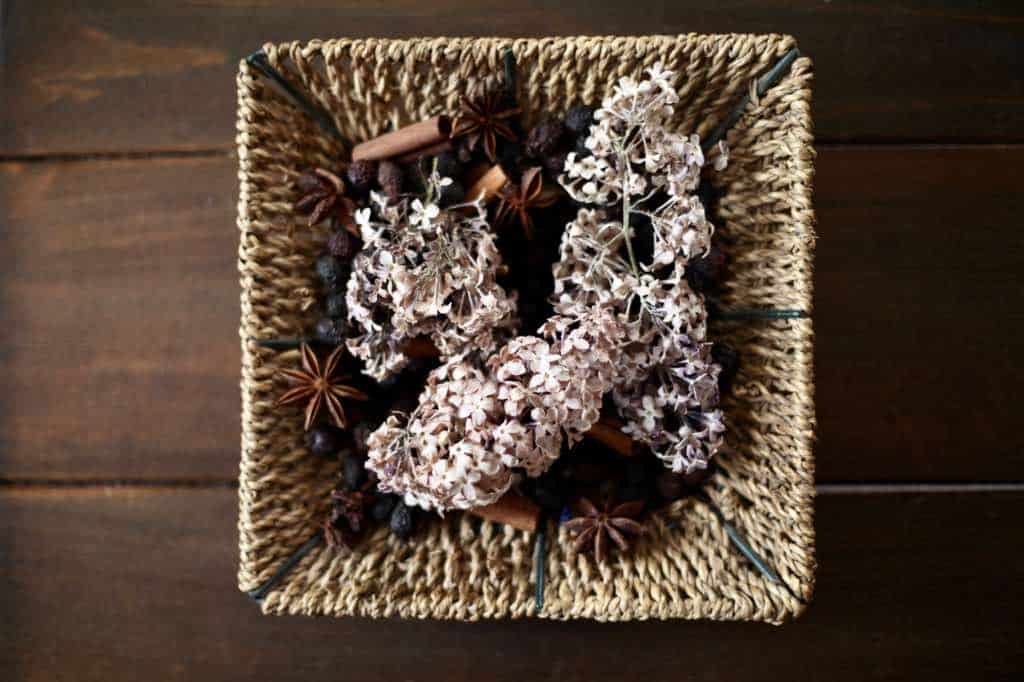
{"x": 464, "y": 568}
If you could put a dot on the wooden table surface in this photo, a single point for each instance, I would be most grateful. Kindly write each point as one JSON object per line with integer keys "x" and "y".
{"x": 119, "y": 424}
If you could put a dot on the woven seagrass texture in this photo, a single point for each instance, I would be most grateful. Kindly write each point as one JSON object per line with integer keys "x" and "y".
{"x": 464, "y": 568}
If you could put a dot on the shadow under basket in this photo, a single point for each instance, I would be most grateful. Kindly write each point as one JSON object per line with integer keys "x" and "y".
{"x": 461, "y": 567}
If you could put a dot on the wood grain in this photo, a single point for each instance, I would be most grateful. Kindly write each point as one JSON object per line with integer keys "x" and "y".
{"x": 112, "y": 76}
{"x": 119, "y": 304}
{"x": 105, "y": 584}
{"x": 118, "y": 299}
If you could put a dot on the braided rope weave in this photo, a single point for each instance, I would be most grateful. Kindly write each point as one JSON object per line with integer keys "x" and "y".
{"x": 464, "y": 568}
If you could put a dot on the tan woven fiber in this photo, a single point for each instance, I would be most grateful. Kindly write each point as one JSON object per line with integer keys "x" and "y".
{"x": 464, "y": 568}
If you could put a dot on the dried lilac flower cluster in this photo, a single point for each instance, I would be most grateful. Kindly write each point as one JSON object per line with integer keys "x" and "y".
{"x": 640, "y": 172}
{"x": 475, "y": 425}
{"x": 424, "y": 270}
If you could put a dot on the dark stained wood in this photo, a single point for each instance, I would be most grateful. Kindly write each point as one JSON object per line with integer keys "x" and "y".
{"x": 119, "y": 309}
{"x": 103, "y": 585}
{"x": 918, "y": 313}
{"x": 112, "y": 76}
{"x": 119, "y": 305}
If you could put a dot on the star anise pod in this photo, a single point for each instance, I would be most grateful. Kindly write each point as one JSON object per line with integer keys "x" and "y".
{"x": 597, "y": 526}
{"x": 518, "y": 200}
{"x": 319, "y": 386}
{"x": 483, "y": 120}
{"x": 346, "y": 522}
{"x": 323, "y": 196}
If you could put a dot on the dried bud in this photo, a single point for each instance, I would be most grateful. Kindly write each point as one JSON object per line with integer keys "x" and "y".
{"x": 448, "y": 165}
{"x": 544, "y": 138}
{"x": 361, "y": 175}
{"x": 579, "y": 118}
{"x": 332, "y": 272}
{"x": 390, "y": 178}
{"x": 336, "y": 306}
{"x": 323, "y": 441}
{"x": 331, "y": 330}
{"x": 341, "y": 245}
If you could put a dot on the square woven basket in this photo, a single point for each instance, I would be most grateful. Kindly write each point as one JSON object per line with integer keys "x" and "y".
{"x": 464, "y": 568}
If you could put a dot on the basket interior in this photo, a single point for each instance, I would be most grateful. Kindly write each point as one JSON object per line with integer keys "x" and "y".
{"x": 462, "y": 567}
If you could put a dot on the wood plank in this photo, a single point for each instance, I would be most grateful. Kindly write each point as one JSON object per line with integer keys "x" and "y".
{"x": 104, "y": 584}
{"x": 112, "y": 76}
{"x": 118, "y": 299}
{"x": 919, "y": 314}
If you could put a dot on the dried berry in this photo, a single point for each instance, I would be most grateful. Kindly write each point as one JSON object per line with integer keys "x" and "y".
{"x": 353, "y": 471}
{"x": 544, "y": 138}
{"x": 554, "y": 164}
{"x": 390, "y": 178}
{"x": 448, "y": 165}
{"x": 401, "y": 521}
{"x": 670, "y": 485}
{"x": 331, "y": 330}
{"x": 361, "y": 175}
{"x": 360, "y": 433}
{"x": 332, "y": 272}
{"x": 579, "y": 118}
{"x": 549, "y": 493}
{"x": 335, "y": 305}
{"x": 705, "y": 273}
{"x": 382, "y": 507}
{"x": 581, "y": 148}
{"x": 452, "y": 194}
{"x": 323, "y": 441}
{"x": 341, "y": 245}
{"x": 729, "y": 359}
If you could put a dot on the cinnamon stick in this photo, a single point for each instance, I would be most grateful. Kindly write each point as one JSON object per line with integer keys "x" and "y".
{"x": 432, "y": 150}
{"x": 404, "y": 140}
{"x": 609, "y": 433}
{"x": 512, "y": 510}
{"x": 488, "y": 185}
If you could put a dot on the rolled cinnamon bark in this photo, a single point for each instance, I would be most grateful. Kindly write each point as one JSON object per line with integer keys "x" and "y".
{"x": 512, "y": 510}
{"x": 420, "y": 347}
{"x": 609, "y": 433}
{"x": 404, "y": 140}
{"x": 432, "y": 150}
{"x": 488, "y": 185}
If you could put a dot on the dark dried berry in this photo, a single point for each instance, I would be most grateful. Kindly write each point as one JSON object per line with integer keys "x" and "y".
{"x": 332, "y": 272}
{"x": 360, "y": 433}
{"x": 361, "y": 175}
{"x": 637, "y": 470}
{"x": 670, "y": 485}
{"x": 581, "y": 148}
{"x": 382, "y": 507}
{"x": 696, "y": 478}
{"x": 390, "y": 178}
{"x": 633, "y": 492}
{"x": 452, "y": 193}
{"x": 331, "y": 330}
{"x": 705, "y": 273}
{"x": 729, "y": 359}
{"x": 544, "y": 138}
{"x": 555, "y": 163}
{"x": 579, "y": 118}
{"x": 353, "y": 471}
{"x": 323, "y": 441}
{"x": 549, "y": 493}
{"x": 341, "y": 245}
{"x": 448, "y": 165}
{"x": 401, "y": 521}
{"x": 335, "y": 305}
